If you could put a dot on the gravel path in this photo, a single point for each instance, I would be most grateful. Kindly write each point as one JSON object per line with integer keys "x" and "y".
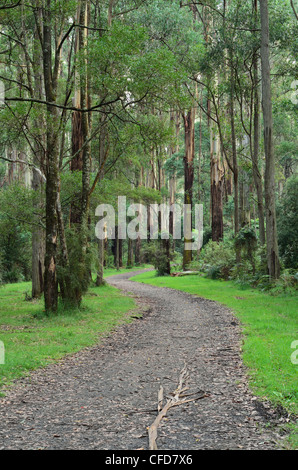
{"x": 105, "y": 397}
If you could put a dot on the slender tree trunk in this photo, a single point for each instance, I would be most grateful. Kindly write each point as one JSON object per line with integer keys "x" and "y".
{"x": 200, "y": 151}
{"x": 271, "y": 226}
{"x": 38, "y": 236}
{"x": 101, "y": 255}
{"x": 138, "y": 252}
{"x": 130, "y": 262}
{"x": 101, "y": 243}
{"x": 256, "y": 171}
{"x": 86, "y": 158}
{"x": 116, "y": 249}
{"x": 175, "y": 118}
{"x": 234, "y": 151}
{"x": 38, "y": 245}
{"x": 256, "y": 145}
{"x": 244, "y": 204}
{"x": 120, "y": 253}
{"x": 52, "y": 173}
{"x": 77, "y": 134}
{"x": 189, "y": 128}
{"x": 64, "y": 279}
{"x": 216, "y": 190}
{"x": 52, "y": 169}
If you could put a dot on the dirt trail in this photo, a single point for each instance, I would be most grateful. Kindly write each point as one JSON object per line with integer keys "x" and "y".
{"x": 106, "y": 397}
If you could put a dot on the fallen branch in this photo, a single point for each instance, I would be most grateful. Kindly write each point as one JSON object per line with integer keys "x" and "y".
{"x": 178, "y": 398}
{"x": 186, "y": 273}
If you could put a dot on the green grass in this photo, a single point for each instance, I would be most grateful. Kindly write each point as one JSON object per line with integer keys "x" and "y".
{"x": 270, "y": 325}
{"x": 33, "y": 340}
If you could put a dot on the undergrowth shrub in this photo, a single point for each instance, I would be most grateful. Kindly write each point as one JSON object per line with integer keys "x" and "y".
{"x": 157, "y": 255}
{"x": 217, "y": 260}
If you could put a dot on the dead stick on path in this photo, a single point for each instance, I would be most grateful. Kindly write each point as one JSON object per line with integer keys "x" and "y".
{"x": 160, "y": 399}
{"x": 177, "y": 400}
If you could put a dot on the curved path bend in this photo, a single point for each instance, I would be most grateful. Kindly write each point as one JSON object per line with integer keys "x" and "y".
{"x": 105, "y": 397}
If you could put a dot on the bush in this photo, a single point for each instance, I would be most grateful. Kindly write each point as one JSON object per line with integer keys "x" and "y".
{"x": 15, "y": 254}
{"x": 218, "y": 259}
{"x": 286, "y": 284}
{"x": 157, "y": 255}
{"x": 287, "y": 224}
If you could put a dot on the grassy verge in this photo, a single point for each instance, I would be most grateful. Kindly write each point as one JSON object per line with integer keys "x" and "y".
{"x": 33, "y": 340}
{"x": 270, "y": 327}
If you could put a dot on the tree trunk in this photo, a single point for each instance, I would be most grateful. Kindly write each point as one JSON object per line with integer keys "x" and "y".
{"x": 256, "y": 144}
{"x": 101, "y": 243}
{"x": 271, "y": 228}
{"x": 52, "y": 168}
{"x": 38, "y": 236}
{"x": 86, "y": 160}
{"x": 244, "y": 200}
{"x": 138, "y": 251}
{"x": 38, "y": 246}
{"x": 100, "y": 272}
{"x": 189, "y": 128}
{"x": 234, "y": 150}
{"x": 216, "y": 190}
{"x": 76, "y": 134}
{"x": 52, "y": 174}
{"x": 130, "y": 254}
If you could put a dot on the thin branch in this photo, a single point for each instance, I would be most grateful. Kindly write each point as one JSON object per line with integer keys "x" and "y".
{"x": 15, "y": 81}
{"x": 294, "y": 10}
{"x": 23, "y": 162}
{"x": 64, "y": 39}
{"x": 8, "y": 7}
{"x": 61, "y": 106}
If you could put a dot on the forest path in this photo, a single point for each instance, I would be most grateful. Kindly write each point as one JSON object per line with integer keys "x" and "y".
{"x": 106, "y": 397}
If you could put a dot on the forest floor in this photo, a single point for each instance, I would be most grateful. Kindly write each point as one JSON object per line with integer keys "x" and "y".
{"x": 106, "y": 397}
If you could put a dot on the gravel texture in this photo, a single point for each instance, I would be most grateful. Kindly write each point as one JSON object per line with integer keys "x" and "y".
{"x": 106, "y": 397}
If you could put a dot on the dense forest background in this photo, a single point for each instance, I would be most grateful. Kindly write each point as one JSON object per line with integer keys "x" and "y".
{"x": 159, "y": 101}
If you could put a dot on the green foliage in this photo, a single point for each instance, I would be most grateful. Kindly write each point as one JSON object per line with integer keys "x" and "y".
{"x": 156, "y": 254}
{"x": 218, "y": 259}
{"x": 15, "y": 249}
{"x": 246, "y": 242}
{"x": 287, "y": 222}
{"x": 17, "y": 220}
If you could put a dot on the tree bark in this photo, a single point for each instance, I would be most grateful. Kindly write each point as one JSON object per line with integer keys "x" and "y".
{"x": 189, "y": 129}
{"x": 234, "y": 150}
{"x": 86, "y": 158}
{"x": 76, "y": 135}
{"x": 130, "y": 262}
{"x": 101, "y": 243}
{"x": 256, "y": 144}
{"x": 38, "y": 246}
{"x": 52, "y": 168}
{"x": 271, "y": 226}
{"x": 38, "y": 236}
{"x": 216, "y": 190}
